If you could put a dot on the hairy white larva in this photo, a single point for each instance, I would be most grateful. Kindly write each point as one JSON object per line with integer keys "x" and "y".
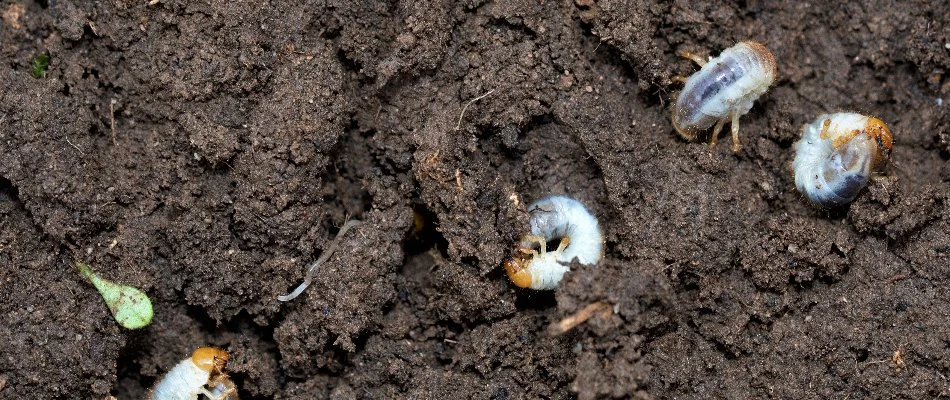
{"x": 555, "y": 217}
{"x": 723, "y": 90}
{"x": 194, "y": 376}
{"x": 837, "y": 154}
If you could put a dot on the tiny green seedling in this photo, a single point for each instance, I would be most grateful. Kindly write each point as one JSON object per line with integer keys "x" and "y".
{"x": 130, "y": 307}
{"x": 40, "y": 65}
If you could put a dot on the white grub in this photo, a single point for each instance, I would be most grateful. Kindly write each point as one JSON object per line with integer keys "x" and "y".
{"x": 553, "y": 218}
{"x": 837, "y": 154}
{"x": 194, "y": 376}
{"x": 312, "y": 268}
{"x": 723, "y": 90}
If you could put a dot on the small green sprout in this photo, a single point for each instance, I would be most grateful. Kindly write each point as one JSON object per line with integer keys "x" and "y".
{"x": 40, "y": 64}
{"x": 130, "y": 307}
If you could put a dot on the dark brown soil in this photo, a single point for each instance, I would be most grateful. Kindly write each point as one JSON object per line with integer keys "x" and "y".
{"x": 206, "y": 152}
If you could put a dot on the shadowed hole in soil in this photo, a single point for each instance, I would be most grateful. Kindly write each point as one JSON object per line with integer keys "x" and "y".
{"x": 129, "y": 374}
{"x": 10, "y": 190}
{"x": 424, "y": 235}
{"x": 689, "y": 280}
{"x": 530, "y": 299}
{"x": 351, "y": 64}
{"x": 861, "y": 355}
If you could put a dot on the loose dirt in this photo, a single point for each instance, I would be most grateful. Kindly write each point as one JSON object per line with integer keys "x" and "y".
{"x": 207, "y": 152}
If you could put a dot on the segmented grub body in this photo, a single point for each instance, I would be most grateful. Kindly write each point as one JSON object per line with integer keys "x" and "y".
{"x": 200, "y": 374}
{"x": 837, "y": 155}
{"x": 723, "y": 90}
{"x": 555, "y": 218}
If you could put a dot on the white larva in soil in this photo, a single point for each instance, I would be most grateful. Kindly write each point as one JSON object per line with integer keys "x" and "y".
{"x": 837, "y": 155}
{"x": 552, "y": 218}
{"x": 200, "y": 374}
{"x": 723, "y": 90}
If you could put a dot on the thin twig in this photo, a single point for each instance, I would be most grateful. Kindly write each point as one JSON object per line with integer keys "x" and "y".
{"x": 579, "y": 317}
{"x": 895, "y": 278}
{"x": 458, "y": 180}
{"x": 462, "y": 114}
{"x": 312, "y": 268}
{"x": 112, "y": 119}
{"x": 81, "y": 153}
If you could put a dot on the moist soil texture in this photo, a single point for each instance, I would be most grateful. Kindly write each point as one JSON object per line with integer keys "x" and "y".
{"x": 206, "y": 152}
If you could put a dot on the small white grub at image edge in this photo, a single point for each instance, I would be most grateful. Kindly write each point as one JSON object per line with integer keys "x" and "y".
{"x": 194, "y": 376}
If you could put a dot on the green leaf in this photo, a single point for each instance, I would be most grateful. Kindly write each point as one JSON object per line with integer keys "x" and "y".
{"x": 130, "y": 307}
{"x": 40, "y": 64}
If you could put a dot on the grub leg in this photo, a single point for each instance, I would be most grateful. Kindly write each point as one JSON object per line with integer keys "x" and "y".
{"x": 212, "y": 396}
{"x": 691, "y": 56}
{"x": 715, "y": 134}
{"x": 530, "y": 252}
{"x": 824, "y": 128}
{"x": 735, "y": 133}
{"x": 540, "y": 240}
{"x": 222, "y": 389}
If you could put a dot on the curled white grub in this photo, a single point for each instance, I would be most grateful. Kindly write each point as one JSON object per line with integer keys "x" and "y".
{"x": 837, "y": 155}
{"x": 555, "y": 218}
